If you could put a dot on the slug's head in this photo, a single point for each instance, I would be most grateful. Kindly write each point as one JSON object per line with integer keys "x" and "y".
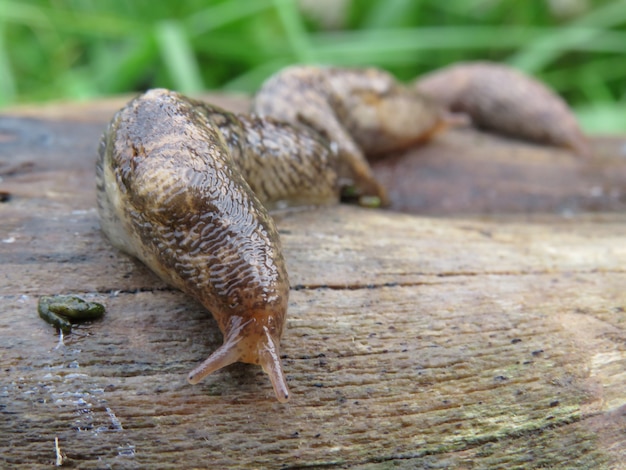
{"x": 254, "y": 340}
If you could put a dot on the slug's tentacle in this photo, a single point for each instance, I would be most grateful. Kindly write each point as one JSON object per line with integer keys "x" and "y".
{"x": 171, "y": 194}
{"x": 505, "y": 100}
{"x": 360, "y": 111}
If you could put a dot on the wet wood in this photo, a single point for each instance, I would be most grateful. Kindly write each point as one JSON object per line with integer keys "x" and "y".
{"x": 412, "y": 340}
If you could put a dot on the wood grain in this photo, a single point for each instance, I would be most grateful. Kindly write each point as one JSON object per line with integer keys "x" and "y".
{"x": 412, "y": 341}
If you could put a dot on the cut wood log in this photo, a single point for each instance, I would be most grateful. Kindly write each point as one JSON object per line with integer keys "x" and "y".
{"x": 412, "y": 341}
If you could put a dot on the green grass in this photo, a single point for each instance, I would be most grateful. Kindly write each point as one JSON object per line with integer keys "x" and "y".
{"x": 80, "y": 49}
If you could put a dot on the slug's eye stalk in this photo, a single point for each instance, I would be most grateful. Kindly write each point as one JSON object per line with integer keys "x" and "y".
{"x": 269, "y": 359}
{"x": 225, "y": 355}
{"x": 254, "y": 346}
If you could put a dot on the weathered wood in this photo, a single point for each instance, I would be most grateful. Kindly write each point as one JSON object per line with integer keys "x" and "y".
{"x": 411, "y": 341}
{"x": 466, "y": 171}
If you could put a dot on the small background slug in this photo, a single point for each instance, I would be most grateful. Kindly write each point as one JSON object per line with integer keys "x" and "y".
{"x": 505, "y": 100}
{"x": 363, "y": 112}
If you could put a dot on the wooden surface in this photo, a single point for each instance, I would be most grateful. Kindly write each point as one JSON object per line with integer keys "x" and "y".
{"x": 412, "y": 341}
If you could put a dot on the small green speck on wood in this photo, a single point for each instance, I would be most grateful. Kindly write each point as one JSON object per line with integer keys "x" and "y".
{"x": 64, "y": 310}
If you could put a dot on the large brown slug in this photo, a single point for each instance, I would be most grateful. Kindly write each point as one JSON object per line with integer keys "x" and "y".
{"x": 172, "y": 191}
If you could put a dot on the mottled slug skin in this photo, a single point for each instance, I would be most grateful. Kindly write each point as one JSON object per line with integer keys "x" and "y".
{"x": 284, "y": 164}
{"x": 171, "y": 192}
{"x": 360, "y": 111}
{"x": 505, "y": 100}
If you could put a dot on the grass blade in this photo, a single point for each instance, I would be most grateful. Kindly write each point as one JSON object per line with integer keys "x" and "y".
{"x": 178, "y": 56}
{"x": 8, "y": 90}
{"x": 546, "y": 48}
{"x": 223, "y": 14}
{"x": 297, "y": 36}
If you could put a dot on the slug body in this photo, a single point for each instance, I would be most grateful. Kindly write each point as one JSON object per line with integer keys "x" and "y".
{"x": 505, "y": 100}
{"x": 172, "y": 191}
{"x": 362, "y": 112}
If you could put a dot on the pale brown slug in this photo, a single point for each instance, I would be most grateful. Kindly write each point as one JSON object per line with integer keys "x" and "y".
{"x": 172, "y": 191}
{"x": 363, "y": 112}
{"x": 499, "y": 98}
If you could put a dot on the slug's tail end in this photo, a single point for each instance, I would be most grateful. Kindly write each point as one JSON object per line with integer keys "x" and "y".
{"x": 579, "y": 145}
{"x": 262, "y": 349}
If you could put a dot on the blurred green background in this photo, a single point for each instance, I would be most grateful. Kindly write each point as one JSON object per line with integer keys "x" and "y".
{"x": 80, "y": 49}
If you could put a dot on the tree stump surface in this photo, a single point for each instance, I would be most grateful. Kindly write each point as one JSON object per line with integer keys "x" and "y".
{"x": 486, "y": 329}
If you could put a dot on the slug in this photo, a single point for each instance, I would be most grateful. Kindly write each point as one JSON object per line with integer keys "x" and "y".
{"x": 499, "y": 98}
{"x": 181, "y": 186}
{"x": 362, "y": 112}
